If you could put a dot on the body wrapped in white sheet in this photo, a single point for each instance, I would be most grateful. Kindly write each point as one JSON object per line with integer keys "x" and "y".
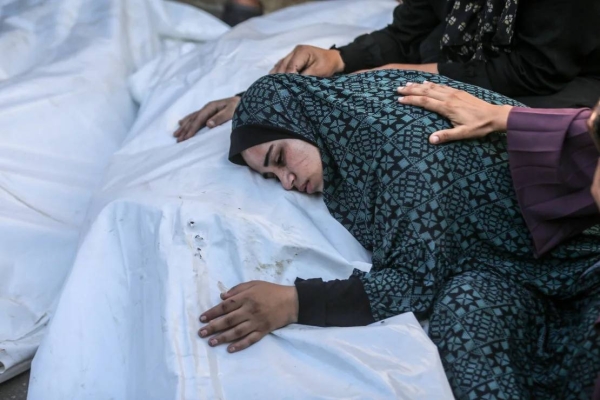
{"x": 65, "y": 108}
{"x": 171, "y": 221}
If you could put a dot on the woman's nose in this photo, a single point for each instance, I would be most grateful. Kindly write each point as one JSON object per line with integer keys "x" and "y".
{"x": 287, "y": 180}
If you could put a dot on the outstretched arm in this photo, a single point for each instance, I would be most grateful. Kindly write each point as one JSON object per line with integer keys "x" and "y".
{"x": 212, "y": 114}
{"x": 254, "y": 309}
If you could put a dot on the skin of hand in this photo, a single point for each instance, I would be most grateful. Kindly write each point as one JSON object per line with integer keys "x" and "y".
{"x": 471, "y": 117}
{"x": 431, "y": 68}
{"x": 310, "y": 60}
{"x": 596, "y": 185}
{"x": 248, "y": 313}
{"x": 213, "y": 114}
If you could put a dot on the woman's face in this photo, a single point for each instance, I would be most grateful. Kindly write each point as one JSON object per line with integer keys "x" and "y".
{"x": 294, "y": 162}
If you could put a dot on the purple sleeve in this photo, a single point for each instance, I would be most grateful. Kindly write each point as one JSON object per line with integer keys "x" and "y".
{"x": 552, "y": 161}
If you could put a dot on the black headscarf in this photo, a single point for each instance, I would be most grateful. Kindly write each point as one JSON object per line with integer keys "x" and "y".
{"x": 246, "y": 136}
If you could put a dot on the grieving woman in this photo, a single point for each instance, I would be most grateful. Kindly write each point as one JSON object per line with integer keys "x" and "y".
{"x": 493, "y": 240}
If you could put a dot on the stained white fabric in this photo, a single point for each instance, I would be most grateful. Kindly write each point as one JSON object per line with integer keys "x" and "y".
{"x": 169, "y": 221}
{"x": 64, "y": 110}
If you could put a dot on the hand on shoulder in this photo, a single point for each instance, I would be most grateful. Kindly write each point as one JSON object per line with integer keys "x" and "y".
{"x": 310, "y": 60}
{"x": 471, "y": 117}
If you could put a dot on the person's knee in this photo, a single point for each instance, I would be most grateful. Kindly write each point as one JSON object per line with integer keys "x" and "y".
{"x": 483, "y": 304}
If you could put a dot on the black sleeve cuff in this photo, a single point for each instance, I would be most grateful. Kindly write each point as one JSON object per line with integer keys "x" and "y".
{"x": 356, "y": 57}
{"x": 333, "y": 303}
{"x": 312, "y": 301}
{"x": 240, "y": 94}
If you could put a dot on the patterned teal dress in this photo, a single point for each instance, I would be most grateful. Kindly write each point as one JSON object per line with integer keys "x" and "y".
{"x": 447, "y": 237}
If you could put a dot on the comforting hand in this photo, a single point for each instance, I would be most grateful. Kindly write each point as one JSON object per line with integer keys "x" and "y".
{"x": 310, "y": 60}
{"x": 213, "y": 114}
{"x": 471, "y": 117}
{"x": 249, "y": 312}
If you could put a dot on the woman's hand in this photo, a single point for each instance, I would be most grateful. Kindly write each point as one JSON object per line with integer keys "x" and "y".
{"x": 310, "y": 60}
{"x": 213, "y": 114}
{"x": 249, "y": 312}
{"x": 471, "y": 117}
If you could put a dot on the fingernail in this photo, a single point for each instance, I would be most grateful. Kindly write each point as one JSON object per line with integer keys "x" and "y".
{"x": 210, "y": 124}
{"x": 231, "y": 349}
{"x": 435, "y": 139}
{"x": 203, "y": 318}
{"x": 203, "y": 333}
{"x": 400, "y": 98}
{"x": 425, "y": 81}
{"x": 409, "y": 83}
{"x": 400, "y": 88}
{"x": 213, "y": 342}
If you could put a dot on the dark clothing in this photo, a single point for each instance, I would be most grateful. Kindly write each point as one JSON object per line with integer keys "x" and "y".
{"x": 554, "y": 62}
{"x": 333, "y": 303}
{"x": 447, "y": 237}
{"x": 552, "y": 162}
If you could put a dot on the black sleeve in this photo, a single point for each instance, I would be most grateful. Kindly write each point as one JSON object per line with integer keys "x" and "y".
{"x": 333, "y": 303}
{"x": 553, "y": 39}
{"x": 399, "y": 42}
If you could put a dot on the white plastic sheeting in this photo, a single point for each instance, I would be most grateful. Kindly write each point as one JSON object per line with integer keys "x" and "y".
{"x": 172, "y": 220}
{"x": 64, "y": 110}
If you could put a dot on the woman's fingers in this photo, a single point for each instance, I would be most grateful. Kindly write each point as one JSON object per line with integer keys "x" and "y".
{"x": 183, "y": 122}
{"x": 235, "y": 333}
{"x": 299, "y": 61}
{"x": 246, "y": 342}
{"x": 428, "y": 103}
{"x": 237, "y": 289}
{"x": 449, "y": 135}
{"x": 223, "y": 308}
{"x": 276, "y": 67}
{"x": 224, "y": 115}
{"x": 427, "y": 89}
{"x": 224, "y": 323}
{"x": 284, "y": 64}
{"x": 213, "y": 114}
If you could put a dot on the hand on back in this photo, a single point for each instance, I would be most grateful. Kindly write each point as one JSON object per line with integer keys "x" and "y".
{"x": 213, "y": 114}
{"x": 310, "y": 60}
{"x": 471, "y": 117}
{"x": 305, "y": 60}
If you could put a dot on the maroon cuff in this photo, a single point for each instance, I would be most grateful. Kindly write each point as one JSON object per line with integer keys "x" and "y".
{"x": 552, "y": 162}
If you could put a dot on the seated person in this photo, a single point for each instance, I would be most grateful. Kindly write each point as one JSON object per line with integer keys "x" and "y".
{"x": 542, "y": 53}
{"x": 493, "y": 240}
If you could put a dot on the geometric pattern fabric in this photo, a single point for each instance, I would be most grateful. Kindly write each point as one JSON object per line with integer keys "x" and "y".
{"x": 447, "y": 238}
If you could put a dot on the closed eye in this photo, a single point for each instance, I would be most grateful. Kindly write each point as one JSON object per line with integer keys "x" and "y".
{"x": 269, "y": 175}
{"x": 280, "y": 161}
